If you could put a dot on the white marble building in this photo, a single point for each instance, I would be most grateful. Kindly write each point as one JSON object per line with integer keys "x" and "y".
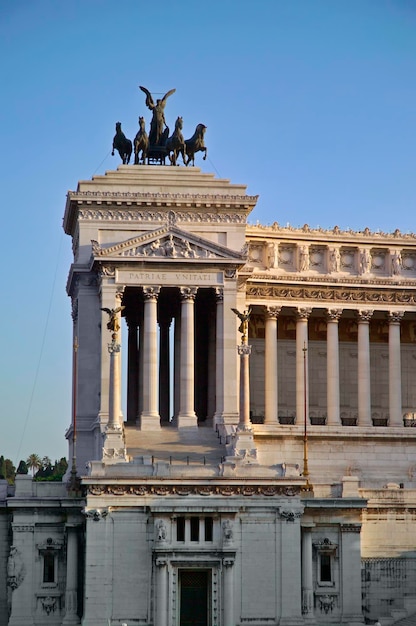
{"x": 213, "y": 493}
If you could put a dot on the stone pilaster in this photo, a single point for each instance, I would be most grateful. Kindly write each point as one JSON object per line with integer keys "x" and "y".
{"x": 161, "y": 592}
{"x": 307, "y": 580}
{"x": 351, "y": 574}
{"x": 290, "y": 549}
{"x": 228, "y": 575}
{"x": 71, "y": 591}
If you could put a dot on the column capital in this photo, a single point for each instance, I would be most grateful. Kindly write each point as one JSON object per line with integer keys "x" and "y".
{"x": 395, "y": 317}
{"x": 188, "y": 293}
{"x": 272, "y": 312}
{"x": 303, "y": 313}
{"x": 150, "y": 293}
{"x": 161, "y": 562}
{"x": 333, "y": 315}
{"x": 219, "y": 294}
{"x": 364, "y": 316}
{"x": 350, "y": 528}
{"x": 290, "y": 516}
{"x": 228, "y": 561}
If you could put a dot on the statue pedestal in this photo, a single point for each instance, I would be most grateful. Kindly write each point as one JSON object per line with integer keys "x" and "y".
{"x": 114, "y": 450}
{"x": 242, "y": 447}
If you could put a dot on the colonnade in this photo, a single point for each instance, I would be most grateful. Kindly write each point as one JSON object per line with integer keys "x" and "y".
{"x": 333, "y": 366}
{"x": 149, "y": 347}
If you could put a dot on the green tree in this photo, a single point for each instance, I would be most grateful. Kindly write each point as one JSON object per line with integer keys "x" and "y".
{"x": 22, "y": 468}
{"x": 10, "y": 471}
{"x": 2, "y": 467}
{"x": 60, "y": 468}
{"x": 34, "y": 463}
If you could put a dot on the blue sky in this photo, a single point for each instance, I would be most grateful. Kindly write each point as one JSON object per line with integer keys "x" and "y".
{"x": 311, "y": 103}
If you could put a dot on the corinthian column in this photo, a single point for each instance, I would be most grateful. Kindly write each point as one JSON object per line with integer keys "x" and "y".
{"x": 332, "y": 366}
{"x": 364, "y": 386}
{"x": 150, "y": 419}
{"x": 302, "y": 381}
{"x": 187, "y": 417}
{"x": 395, "y": 373}
{"x": 270, "y": 366}
{"x": 114, "y": 437}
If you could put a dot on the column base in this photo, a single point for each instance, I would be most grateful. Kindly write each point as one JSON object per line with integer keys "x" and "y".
{"x": 149, "y": 422}
{"x": 229, "y": 419}
{"x": 187, "y": 421}
{"x": 71, "y": 620}
{"x": 291, "y": 621}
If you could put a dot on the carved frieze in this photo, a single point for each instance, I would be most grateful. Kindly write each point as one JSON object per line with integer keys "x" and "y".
{"x": 338, "y": 294}
{"x": 180, "y": 490}
{"x": 160, "y": 216}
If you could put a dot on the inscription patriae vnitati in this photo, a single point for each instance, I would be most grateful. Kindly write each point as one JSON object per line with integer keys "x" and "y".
{"x": 129, "y": 277}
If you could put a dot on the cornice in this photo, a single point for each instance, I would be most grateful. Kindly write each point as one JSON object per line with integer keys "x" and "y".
{"x": 335, "y": 234}
{"x": 138, "y": 206}
{"x": 163, "y": 199}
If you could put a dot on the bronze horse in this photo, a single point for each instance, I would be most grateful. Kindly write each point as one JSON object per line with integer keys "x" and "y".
{"x": 122, "y": 145}
{"x": 196, "y": 144}
{"x": 175, "y": 145}
{"x": 141, "y": 143}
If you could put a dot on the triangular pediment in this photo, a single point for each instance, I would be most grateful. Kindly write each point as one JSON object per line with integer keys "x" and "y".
{"x": 168, "y": 242}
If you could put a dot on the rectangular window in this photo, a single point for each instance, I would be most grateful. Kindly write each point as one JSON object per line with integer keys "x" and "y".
{"x": 48, "y": 567}
{"x": 325, "y": 568}
{"x": 194, "y": 528}
{"x": 180, "y": 529}
{"x": 208, "y": 528}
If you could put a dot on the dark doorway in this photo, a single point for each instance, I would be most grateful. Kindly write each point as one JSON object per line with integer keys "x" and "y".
{"x": 194, "y": 597}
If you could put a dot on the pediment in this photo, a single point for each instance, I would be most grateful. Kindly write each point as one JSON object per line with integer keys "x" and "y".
{"x": 168, "y": 242}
